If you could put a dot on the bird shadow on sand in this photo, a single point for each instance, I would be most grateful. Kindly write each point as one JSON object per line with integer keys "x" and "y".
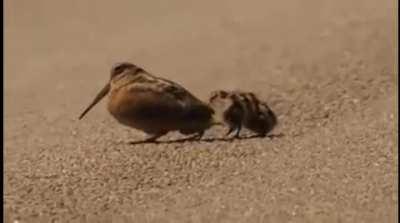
{"x": 191, "y": 139}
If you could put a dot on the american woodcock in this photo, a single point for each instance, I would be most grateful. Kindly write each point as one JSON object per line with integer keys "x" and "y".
{"x": 237, "y": 109}
{"x": 153, "y": 104}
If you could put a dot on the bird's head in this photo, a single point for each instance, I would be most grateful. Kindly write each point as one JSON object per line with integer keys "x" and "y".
{"x": 121, "y": 69}
{"x": 118, "y": 71}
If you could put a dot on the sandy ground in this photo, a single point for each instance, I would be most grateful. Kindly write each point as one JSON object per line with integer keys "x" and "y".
{"x": 327, "y": 68}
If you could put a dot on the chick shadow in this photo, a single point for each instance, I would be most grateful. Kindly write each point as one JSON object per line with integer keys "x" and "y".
{"x": 208, "y": 140}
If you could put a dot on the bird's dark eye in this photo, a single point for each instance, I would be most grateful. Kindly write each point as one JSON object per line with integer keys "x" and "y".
{"x": 118, "y": 69}
{"x": 223, "y": 94}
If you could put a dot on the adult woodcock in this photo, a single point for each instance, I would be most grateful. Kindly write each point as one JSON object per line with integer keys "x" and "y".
{"x": 153, "y": 104}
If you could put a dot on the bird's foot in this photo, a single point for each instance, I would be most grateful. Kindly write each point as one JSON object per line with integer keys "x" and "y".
{"x": 197, "y": 136}
{"x": 229, "y": 131}
{"x": 151, "y": 139}
{"x": 237, "y": 134}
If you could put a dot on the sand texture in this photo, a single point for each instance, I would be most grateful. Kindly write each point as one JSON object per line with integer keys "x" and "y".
{"x": 327, "y": 68}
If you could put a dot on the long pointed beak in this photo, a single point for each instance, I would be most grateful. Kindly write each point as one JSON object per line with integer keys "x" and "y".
{"x": 99, "y": 96}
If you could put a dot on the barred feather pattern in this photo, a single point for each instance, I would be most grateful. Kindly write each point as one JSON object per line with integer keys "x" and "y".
{"x": 243, "y": 109}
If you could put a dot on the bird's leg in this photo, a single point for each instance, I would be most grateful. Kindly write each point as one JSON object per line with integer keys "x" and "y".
{"x": 231, "y": 129}
{"x": 239, "y": 127}
{"x": 263, "y": 134}
{"x": 197, "y": 136}
{"x": 200, "y": 135}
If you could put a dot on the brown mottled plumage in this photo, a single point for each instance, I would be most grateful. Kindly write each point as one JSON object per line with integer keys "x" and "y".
{"x": 237, "y": 109}
{"x": 153, "y": 104}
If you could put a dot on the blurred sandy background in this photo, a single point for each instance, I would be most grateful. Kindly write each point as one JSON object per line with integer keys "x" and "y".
{"x": 328, "y": 69}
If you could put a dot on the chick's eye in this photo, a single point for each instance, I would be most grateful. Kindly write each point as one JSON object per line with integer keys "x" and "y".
{"x": 223, "y": 94}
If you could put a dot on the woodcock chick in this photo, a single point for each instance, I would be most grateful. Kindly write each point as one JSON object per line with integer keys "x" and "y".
{"x": 153, "y": 104}
{"x": 238, "y": 108}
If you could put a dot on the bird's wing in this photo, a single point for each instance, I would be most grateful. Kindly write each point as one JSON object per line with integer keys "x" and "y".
{"x": 175, "y": 89}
